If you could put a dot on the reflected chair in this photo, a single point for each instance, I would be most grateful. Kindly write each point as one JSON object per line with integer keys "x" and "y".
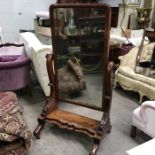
{"x": 143, "y": 118}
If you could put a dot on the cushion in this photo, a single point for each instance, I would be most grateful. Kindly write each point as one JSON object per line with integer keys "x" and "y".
{"x": 147, "y": 52}
{"x": 8, "y": 58}
{"x": 8, "y": 102}
{"x": 15, "y": 137}
{"x": 12, "y": 61}
{"x": 71, "y": 78}
{"x": 125, "y": 48}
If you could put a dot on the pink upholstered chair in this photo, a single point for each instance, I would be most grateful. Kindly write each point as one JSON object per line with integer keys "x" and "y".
{"x": 143, "y": 118}
{"x": 14, "y": 67}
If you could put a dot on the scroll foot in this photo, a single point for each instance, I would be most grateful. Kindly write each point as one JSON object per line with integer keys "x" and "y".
{"x": 37, "y": 131}
{"x": 94, "y": 147}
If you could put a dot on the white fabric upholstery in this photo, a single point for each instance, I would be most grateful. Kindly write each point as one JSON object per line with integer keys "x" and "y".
{"x": 129, "y": 80}
{"x": 135, "y": 36}
{"x": 144, "y": 118}
{"x": 42, "y": 14}
{"x": 37, "y": 52}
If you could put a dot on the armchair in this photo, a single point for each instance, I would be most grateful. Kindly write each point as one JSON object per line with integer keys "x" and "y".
{"x": 143, "y": 118}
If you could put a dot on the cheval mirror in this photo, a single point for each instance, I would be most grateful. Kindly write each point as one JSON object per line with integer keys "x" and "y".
{"x": 79, "y": 70}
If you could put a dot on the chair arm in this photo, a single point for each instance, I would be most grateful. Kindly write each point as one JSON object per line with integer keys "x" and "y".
{"x": 43, "y": 49}
{"x": 147, "y": 111}
{"x": 32, "y": 43}
{"x": 148, "y": 104}
{"x": 39, "y": 62}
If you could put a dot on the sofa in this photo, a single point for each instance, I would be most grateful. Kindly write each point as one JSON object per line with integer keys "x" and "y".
{"x": 128, "y": 79}
{"x": 143, "y": 118}
{"x": 37, "y": 53}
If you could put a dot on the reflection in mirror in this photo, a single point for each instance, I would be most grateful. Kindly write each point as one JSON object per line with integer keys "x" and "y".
{"x": 79, "y": 54}
{"x": 79, "y": 70}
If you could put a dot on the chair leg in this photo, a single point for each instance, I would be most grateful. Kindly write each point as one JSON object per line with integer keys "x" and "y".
{"x": 28, "y": 90}
{"x": 133, "y": 131}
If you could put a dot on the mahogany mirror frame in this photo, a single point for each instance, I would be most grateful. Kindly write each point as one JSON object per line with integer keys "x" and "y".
{"x": 67, "y": 120}
{"x": 106, "y": 88}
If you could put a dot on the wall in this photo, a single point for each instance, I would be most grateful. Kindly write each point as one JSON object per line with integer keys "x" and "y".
{"x": 19, "y": 14}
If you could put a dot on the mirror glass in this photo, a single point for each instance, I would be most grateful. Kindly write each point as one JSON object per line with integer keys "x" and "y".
{"x": 78, "y": 42}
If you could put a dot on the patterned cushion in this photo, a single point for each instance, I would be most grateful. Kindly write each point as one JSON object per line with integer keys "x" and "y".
{"x": 15, "y": 137}
{"x": 8, "y": 102}
{"x": 71, "y": 78}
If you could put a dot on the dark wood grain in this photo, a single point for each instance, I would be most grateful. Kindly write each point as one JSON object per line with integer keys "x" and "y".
{"x": 67, "y": 120}
{"x": 71, "y": 121}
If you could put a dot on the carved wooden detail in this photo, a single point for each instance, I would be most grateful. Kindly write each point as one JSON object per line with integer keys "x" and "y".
{"x": 52, "y": 114}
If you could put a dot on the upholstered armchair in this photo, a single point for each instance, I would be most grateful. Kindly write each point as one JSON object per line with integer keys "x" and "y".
{"x": 14, "y": 67}
{"x": 143, "y": 118}
{"x": 130, "y": 80}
